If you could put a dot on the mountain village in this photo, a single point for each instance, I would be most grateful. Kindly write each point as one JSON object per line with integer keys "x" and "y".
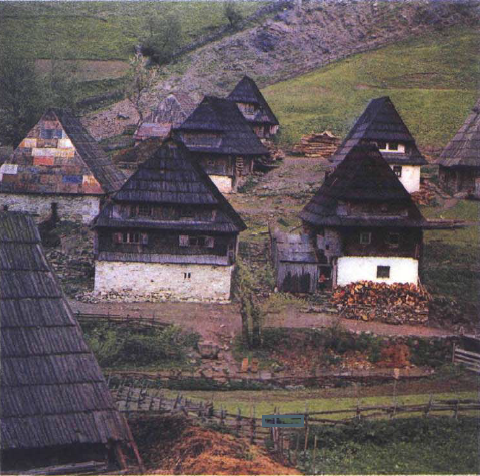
{"x": 157, "y": 299}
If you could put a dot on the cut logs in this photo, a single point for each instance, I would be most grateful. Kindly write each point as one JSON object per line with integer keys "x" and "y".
{"x": 319, "y": 145}
{"x": 393, "y": 304}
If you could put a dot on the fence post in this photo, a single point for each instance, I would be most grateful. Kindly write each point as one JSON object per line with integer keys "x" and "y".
{"x": 453, "y": 353}
{"x": 306, "y": 431}
{"x": 315, "y": 456}
{"x": 428, "y": 407}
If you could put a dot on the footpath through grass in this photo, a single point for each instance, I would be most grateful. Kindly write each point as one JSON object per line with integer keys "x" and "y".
{"x": 432, "y": 80}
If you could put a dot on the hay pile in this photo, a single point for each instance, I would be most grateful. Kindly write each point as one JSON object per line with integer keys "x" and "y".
{"x": 204, "y": 451}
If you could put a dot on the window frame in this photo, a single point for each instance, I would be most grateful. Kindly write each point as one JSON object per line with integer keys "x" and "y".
{"x": 362, "y": 234}
{"x": 397, "y": 170}
{"x": 383, "y": 272}
{"x": 389, "y": 240}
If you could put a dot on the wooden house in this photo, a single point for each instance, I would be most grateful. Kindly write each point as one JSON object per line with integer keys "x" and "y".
{"x": 222, "y": 141}
{"x": 381, "y": 124}
{"x": 56, "y": 408}
{"x": 364, "y": 223}
{"x": 167, "y": 231}
{"x": 254, "y": 108}
{"x": 170, "y": 112}
{"x": 58, "y": 167}
{"x": 459, "y": 162}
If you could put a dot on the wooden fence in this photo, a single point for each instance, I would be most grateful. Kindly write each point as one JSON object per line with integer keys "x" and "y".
{"x": 471, "y": 360}
{"x": 132, "y": 321}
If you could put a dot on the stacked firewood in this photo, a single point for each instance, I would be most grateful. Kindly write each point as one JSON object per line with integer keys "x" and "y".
{"x": 275, "y": 152}
{"x": 394, "y": 304}
{"x": 319, "y": 145}
{"x": 426, "y": 195}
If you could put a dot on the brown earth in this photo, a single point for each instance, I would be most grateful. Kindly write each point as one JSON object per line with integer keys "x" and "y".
{"x": 88, "y": 70}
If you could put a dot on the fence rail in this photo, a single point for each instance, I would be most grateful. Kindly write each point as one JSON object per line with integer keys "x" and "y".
{"x": 471, "y": 360}
{"x": 121, "y": 319}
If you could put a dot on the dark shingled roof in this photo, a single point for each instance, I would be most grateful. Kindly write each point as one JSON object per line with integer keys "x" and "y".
{"x": 65, "y": 174}
{"x": 223, "y": 127}
{"x": 246, "y": 91}
{"x": 363, "y": 176}
{"x": 52, "y": 389}
{"x": 381, "y": 122}
{"x": 464, "y": 149}
{"x": 171, "y": 176}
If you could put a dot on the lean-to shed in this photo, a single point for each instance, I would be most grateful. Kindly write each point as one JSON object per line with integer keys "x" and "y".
{"x": 56, "y": 407}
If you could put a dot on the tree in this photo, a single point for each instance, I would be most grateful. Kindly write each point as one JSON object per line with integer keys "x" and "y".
{"x": 164, "y": 37}
{"x": 232, "y": 13}
{"x": 140, "y": 80}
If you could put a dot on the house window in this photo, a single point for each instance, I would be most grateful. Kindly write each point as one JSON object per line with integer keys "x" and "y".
{"x": 197, "y": 241}
{"x": 393, "y": 146}
{"x": 145, "y": 210}
{"x": 393, "y": 239}
{"x": 210, "y": 162}
{"x": 187, "y": 276}
{"x": 130, "y": 238}
{"x": 398, "y": 170}
{"x": 365, "y": 238}
{"x": 383, "y": 271}
{"x": 187, "y": 213}
{"x": 382, "y": 145}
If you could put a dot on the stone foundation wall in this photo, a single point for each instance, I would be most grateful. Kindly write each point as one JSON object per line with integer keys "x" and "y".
{"x": 168, "y": 281}
{"x": 76, "y": 208}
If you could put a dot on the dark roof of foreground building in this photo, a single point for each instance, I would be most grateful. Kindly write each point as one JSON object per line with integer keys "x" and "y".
{"x": 246, "y": 91}
{"x": 381, "y": 122}
{"x": 172, "y": 177}
{"x": 464, "y": 149}
{"x": 363, "y": 176}
{"x": 217, "y": 126}
{"x": 53, "y": 392}
{"x": 53, "y": 165}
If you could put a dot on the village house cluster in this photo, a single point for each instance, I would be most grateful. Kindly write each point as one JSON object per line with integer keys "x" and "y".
{"x": 170, "y": 231}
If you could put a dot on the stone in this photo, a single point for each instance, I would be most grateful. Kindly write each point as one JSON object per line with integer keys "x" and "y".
{"x": 208, "y": 350}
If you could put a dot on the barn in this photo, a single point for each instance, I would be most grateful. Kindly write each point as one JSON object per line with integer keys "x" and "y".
{"x": 381, "y": 124}
{"x": 167, "y": 231}
{"x": 222, "y": 141}
{"x": 459, "y": 163}
{"x": 254, "y": 108}
{"x": 58, "y": 167}
{"x": 56, "y": 408}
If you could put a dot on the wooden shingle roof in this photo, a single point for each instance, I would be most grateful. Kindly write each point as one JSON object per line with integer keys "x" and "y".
{"x": 223, "y": 127}
{"x": 464, "y": 149}
{"x": 363, "y": 176}
{"x": 381, "y": 122}
{"x": 53, "y": 392}
{"x": 69, "y": 162}
{"x": 246, "y": 91}
{"x": 171, "y": 176}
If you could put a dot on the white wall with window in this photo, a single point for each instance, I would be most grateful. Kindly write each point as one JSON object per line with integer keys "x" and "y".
{"x": 409, "y": 175}
{"x": 351, "y": 269}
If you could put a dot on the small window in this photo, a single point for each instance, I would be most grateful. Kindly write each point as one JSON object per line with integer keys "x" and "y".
{"x": 393, "y": 145}
{"x": 382, "y": 145}
{"x": 187, "y": 276}
{"x": 211, "y": 162}
{"x": 128, "y": 237}
{"x": 398, "y": 170}
{"x": 197, "y": 240}
{"x": 393, "y": 239}
{"x": 145, "y": 210}
{"x": 365, "y": 238}
{"x": 187, "y": 213}
{"x": 383, "y": 271}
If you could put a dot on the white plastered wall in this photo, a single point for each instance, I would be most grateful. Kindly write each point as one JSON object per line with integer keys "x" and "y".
{"x": 222, "y": 182}
{"x": 206, "y": 282}
{"x": 410, "y": 177}
{"x": 351, "y": 269}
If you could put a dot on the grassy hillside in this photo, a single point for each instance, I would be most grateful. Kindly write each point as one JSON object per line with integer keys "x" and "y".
{"x": 101, "y": 30}
{"x": 433, "y": 81}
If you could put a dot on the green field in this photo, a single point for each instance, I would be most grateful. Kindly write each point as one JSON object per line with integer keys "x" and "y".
{"x": 101, "y": 30}
{"x": 433, "y": 81}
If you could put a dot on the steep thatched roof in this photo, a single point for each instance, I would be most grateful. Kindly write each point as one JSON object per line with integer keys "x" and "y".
{"x": 53, "y": 392}
{"x": 217, "y": 126}
{"x": 172, "y": 177}
{"x": 363, "y": 176}
{"x": 68, "y": 161}
{"x": 381, "y": 122}
{"x": 464, "y": 149}
{"x": 246, "y": 91}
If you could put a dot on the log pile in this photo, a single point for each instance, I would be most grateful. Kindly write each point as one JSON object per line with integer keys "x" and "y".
{"x": 275, "y": 152}
{"x": 426, "y": 195}
{"x": 393, "y": 304}
{"x": 319, "y": 145}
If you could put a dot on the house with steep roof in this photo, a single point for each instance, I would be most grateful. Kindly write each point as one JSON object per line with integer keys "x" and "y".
{"x": 459, "y": 163}
{"x": 254, "y": 108}
{"x": 364, "y": 223}
{"x": 55, "y": 405}
{"x": 381, "y": 124}
{"x": 58, "y": 167}
{"x": 170, "y": 112}
{"x": 222, "y": 141}
{"x": 168, "y": 231}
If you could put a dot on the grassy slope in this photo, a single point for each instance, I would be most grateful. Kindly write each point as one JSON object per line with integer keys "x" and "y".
{"x": 100, "y": 30}
{"x": 432, "y": 80}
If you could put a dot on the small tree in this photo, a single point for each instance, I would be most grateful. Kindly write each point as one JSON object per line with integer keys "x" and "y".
{"x": 232, "y": 13}
{"x": 140, "y": 80}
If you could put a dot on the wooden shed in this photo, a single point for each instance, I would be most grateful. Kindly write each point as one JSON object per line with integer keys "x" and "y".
{"x": 381, "y": 124}
{"x": 222, "y": 141}
{"x": 460, "y": 160}
{"x": 56, "y": 408}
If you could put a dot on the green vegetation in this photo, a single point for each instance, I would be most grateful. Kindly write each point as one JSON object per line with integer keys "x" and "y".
{"x": 117, "y": 346}
{"x": 406, "y": 446}
{"x": 432, "y": 80}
